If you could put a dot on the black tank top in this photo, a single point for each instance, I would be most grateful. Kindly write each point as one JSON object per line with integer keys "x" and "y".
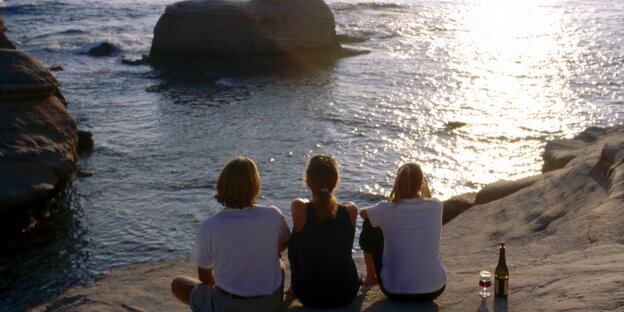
{"x": 323, "y": 274}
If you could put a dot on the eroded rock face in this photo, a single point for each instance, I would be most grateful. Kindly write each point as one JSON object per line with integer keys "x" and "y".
{"x": 37, "y": 134}
{"x": 207, "y": 29}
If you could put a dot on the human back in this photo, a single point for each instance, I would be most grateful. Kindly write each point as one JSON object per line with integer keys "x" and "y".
{"x": 245, "y": 243}
{"x": 401, "y": 240}
{"x": 323, "y": 274}
{"x": 411, "y": 255}
{"x": 237, "y": 249}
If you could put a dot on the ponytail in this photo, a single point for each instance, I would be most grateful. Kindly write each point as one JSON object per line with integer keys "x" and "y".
{"x": 325, "y": 205}
{"x": 322, "y": 178}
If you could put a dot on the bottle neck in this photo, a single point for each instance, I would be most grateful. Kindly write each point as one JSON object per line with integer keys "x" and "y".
{"x": 501, "y": 255}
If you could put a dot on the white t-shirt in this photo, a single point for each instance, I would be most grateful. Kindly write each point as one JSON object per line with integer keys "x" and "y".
{"x": 411, "y": 255}
{"x": 241, "y": 245}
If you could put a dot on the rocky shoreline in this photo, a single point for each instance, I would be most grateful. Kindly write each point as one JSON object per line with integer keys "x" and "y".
{"x": 564, "y": 233}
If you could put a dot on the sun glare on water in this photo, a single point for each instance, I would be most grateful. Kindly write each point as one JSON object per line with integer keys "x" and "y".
{"x": 510, "y": 62}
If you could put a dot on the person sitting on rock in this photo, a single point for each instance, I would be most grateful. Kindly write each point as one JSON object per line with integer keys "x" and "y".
{"x": 401, "y": 240}
{"x": 323, "y": 274}
{"x": 237, "y": 249}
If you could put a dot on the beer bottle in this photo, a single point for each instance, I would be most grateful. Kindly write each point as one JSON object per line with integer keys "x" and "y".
{"x": 501, "y": 275}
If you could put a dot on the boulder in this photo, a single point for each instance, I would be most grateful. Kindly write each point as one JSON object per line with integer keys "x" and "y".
{"x": 103, "y": 49}
{"x": 456, "y": 205}
{"x": 85, "y": 141}
{"x": 558, "y": 153}
{"x": 500, "y": 189}
{"x": 37, "y": 134}
{"x": 235, "y": 30}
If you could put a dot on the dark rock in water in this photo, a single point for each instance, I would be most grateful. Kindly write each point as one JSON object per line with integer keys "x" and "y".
{"x": 85, "y": 141}
{"x": 350, "y": 39}
{"x": 5, "y": 43}
{"x": 83, "y": 173}
{"x": 454, "y": 125}
{"x": 103, "y": 49}
{"x": 56, "y": 68}
{"x": 38, "y": 136}
{"x": 302, "y": 31}
{"x": 142, "y": 61}
{"x": 3, "y": 28}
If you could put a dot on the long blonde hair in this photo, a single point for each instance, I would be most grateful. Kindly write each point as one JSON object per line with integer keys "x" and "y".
{"x": 322, "y": 178}
{"x": 408, "y": 182}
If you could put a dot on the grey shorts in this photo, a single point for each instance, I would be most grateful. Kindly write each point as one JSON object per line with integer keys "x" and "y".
{"x": 212, "y": 299}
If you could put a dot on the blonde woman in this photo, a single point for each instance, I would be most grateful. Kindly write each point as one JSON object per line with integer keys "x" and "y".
{"x": 401, "y": 240}
{"x": 236, "y": 250}
{"x": 323, "y": 274}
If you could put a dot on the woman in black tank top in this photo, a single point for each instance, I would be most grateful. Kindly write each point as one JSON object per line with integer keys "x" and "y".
{"x": 323, "y": 274}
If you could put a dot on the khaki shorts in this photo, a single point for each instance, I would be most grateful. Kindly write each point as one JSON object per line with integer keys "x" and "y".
{"x": 212, "y": 299}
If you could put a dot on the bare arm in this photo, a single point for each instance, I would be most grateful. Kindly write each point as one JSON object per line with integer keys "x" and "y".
{"x": 353, "y": 212}
{"x": 364, "y": 214}
{"x": 424, "y": 190}
{"x": 205, "y": 276}
{"x": 298, "y": 212}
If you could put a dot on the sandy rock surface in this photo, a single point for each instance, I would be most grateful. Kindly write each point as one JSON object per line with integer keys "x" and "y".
{"x": 564, "y": 233}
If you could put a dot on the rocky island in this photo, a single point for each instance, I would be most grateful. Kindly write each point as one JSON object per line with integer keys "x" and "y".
{"x": 241, "y": 32}
{"x": 563, "y": 229}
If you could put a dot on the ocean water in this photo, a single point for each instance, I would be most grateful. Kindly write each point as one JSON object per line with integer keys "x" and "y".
{"x": 472, "y": 90}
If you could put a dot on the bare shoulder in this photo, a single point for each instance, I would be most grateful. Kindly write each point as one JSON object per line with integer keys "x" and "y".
{"x": 298, "y": 212}
{"x": 298, "y": 204}
{"x": 353, "y": 211}
{"x": 351, "y": 207}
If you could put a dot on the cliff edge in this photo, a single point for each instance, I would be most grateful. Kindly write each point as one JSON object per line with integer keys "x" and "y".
{"x": 564, "y": 233}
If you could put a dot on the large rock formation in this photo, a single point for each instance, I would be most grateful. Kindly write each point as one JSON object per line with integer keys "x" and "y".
{"x": 37, "y": 134}
{"x": 236, "y": 30}
{"x": 565, "y": 246}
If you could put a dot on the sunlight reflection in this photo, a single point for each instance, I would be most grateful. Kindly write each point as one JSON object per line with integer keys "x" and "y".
{"x": 512, "y": 52}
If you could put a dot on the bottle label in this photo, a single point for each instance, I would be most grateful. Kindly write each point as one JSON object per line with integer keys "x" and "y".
{"x": 501, "y": 287}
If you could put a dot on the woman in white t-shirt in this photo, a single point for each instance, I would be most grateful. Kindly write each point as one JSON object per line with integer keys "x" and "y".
{"x": 237, "y": 249}
{"x": 401, "y": 240}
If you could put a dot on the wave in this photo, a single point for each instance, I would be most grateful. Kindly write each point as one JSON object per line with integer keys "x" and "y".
{"x": 30, "y": 7}
{"x": 345, "y": 6}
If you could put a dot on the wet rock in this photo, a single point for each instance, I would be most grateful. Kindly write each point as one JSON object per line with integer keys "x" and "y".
{"x": 56, "y": 68}
{"x": 103, "y": 49}
{"x": 3, "y": 28}
{"x": 228, "y": 30}
{"x": 5, "y": 43}
{"x": 454, "y": 125}
{"x": 85, "y": 141}
{"x": 38, "y": 136}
